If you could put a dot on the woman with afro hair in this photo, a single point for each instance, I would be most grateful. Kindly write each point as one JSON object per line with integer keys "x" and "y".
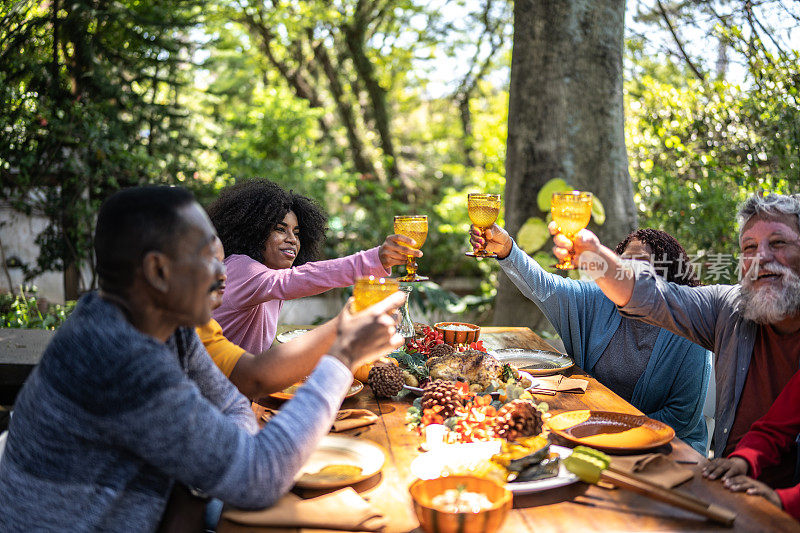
{"x": 663, "y": 375}
{"x": 271, "y": 239}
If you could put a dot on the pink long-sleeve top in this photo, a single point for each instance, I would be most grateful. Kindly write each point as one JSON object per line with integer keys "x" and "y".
{"x": 255, "y": 293}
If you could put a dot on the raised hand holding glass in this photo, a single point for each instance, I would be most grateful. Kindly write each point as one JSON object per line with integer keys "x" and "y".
{"x": 414, "y": 227}
{"x": 483, "y": 210}
{"x": 571, "y": 212}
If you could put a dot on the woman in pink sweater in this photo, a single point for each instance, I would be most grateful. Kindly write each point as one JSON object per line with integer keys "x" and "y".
{"x": 271, "y": 237}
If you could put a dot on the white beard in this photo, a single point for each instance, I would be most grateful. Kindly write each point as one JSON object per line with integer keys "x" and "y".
{"x": 772, "y": 303}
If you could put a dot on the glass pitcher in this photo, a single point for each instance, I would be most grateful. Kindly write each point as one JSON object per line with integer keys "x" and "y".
{"x": 406, "y": 326}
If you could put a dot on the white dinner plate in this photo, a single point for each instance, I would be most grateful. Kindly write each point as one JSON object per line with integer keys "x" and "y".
{"x": 341, "y": 450}
{"x": 535, "y": 362}
{"x": 522, "y": 374}
{"x": 432, "y": 464}
{"x": 286, "y": 336}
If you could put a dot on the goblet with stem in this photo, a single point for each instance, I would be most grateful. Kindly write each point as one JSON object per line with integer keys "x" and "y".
{"x": 415, "y": 227}
{"x": 571, "y": 212}
{"x": 483, "y": 210}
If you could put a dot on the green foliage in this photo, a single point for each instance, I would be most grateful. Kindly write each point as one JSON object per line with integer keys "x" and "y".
{"x": 24, "y": 311}
{"x": 413, "y": 362}
{"x": 90, "y": 101}
{"x": 310, "y": 94}
{"x": 533, "y": 235}
{"x": 697, "y": 149}
{"x": 96, "y": 98}
{"x": 548, "y": 190}
{"x": 282, "y": 114}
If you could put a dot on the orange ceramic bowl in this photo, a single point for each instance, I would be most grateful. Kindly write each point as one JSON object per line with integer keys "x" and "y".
{"x": 434, "y": 520}
{"x": 458, "y": 332}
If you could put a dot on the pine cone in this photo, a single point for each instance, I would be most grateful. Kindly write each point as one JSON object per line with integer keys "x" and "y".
{"x": 518, "y": 418}
{"x": 444, "y": 393}
{"x": 386, "y": 380}
{"x": 441, "y": 350}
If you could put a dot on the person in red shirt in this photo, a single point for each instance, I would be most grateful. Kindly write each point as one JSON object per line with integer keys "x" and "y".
{"x": 770, "y": 438}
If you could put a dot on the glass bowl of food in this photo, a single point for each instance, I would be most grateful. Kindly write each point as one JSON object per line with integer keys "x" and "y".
{"x": 455, "y": 333}
{"x": 467, "y": 504}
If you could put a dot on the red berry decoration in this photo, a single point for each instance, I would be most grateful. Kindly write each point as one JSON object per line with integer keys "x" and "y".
{"x": 425, "y": 342}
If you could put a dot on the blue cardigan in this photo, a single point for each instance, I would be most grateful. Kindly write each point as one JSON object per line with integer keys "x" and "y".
{"x": 672, "y": 387}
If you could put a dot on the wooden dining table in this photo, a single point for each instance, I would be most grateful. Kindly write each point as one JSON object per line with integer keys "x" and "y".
{"x": 577, "y": 507}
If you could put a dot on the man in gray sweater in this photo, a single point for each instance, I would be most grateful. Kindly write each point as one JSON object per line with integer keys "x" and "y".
{"x": 126, "y": 401}
{"x": 752, "y": 327}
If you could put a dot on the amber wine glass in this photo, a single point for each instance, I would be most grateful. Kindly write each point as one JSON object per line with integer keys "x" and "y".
{"x": 371, "y": 290}
{"x": 483, "y": 210}
{"x": 415, "y": 227}
{"x": 571, "y": 213}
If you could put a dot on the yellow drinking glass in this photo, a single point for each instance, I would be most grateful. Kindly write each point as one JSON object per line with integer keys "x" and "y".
{"x": 571, "y": 213}
{"x": 371, "y": 290}
{"x": 483, "y": 210}
{"x": 415, "y": 227}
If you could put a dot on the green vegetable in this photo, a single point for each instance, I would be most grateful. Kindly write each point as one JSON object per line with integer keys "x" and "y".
{"x": 413, "y": 362}
{"x": 587, "y": 463}
{"x": 413, "y": 417}
{"x": 450, "y": 423}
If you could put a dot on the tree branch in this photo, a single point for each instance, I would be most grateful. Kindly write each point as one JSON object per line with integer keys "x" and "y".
{"x": 678, "y": 42}
{"x": 294, "y": 77}
{"x": 470, "y": 80}
{"x": 354, "y": 39}
{"x": 362, "y": 163}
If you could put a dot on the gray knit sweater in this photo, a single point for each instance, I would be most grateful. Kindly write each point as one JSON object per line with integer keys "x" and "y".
{"x": 112, "y": 417}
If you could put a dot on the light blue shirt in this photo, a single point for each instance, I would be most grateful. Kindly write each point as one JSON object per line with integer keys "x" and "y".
{"x": 672, "y": 387}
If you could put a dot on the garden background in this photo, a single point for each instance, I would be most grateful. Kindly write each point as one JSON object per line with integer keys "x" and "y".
{"x": 670, "y": 111}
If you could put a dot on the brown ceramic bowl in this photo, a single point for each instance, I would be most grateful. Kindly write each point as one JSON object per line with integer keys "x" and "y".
{"x": 434, "y": 520}
{"x": 458, "y": 332}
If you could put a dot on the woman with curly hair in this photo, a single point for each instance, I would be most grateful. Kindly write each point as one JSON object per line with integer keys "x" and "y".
{"x": 271, "y": 238}
{"x": 661, "y": 249}
{"x": 663, "y": 375}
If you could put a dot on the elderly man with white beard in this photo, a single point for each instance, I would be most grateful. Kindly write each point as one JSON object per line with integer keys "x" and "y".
{"x": 753, "y": 328}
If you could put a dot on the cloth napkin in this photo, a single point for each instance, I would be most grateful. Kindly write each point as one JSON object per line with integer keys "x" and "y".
{"x": 655, "y": 467}
{"x": 345, "y": 418}
{"x": 343, "y": 510}
{"x": 353, "y": 418}
{"x": 558, "y": 383}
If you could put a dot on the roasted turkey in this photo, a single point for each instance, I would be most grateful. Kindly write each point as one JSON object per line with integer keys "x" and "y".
{"x": 471, "y": 366}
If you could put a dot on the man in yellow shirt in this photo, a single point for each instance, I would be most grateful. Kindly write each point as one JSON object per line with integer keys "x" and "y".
{"x": 269, "y": 371}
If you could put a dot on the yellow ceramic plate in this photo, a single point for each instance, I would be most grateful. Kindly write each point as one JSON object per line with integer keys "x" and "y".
{"x": 288, "y": 393}
{"x": 611, "y": 431}
{"x": 339, "y": 461}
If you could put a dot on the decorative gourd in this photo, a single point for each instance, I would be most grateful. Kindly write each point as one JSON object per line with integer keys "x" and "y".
{"x": 362, "y": 372}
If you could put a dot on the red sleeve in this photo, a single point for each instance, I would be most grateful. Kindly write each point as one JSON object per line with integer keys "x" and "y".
{"x": 774, "y": 432}
{"x": 790, "y": 498}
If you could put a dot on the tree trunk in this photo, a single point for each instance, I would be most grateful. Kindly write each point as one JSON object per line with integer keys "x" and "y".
{"x": 565, "y": 121}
